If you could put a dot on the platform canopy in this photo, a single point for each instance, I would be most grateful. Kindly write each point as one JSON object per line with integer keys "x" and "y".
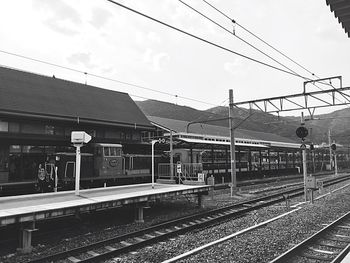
{"x": 220, "y": 135}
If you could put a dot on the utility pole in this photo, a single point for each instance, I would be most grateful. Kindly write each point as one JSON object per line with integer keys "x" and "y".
{"x": 330, "y": 149}
{"x": 302, "y": 122}
{"x": 233, "y": 150}
{"x": 171, "y": 156}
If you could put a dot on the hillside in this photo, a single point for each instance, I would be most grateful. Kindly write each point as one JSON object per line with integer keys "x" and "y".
{"x": 338, "y": 121}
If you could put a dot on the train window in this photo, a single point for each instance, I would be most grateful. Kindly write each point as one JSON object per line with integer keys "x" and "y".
{"x": 106, "y": 151}
{"x": 98, "y": 151}
{"x": 113, "y": 151}
{"x": 119, "y": 152}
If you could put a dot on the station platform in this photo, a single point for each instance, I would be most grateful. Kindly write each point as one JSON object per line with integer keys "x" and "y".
{"x": 19, "y": 209}
{"x": 25, "y": 210}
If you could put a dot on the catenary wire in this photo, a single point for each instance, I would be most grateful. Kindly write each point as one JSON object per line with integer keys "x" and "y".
{"x": 241, "y": 39}
{"x": 244, "y": 28}
{"x": 266, "y": 43}
{"x": 201, "y": 39}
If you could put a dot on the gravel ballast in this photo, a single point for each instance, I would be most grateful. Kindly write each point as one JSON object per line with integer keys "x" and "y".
{"x": 260, "y": 245}
{"x": 175, "y": 208}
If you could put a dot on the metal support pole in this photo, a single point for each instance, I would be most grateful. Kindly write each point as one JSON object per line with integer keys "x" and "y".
{"x": 171, "y": 156}
{"x": 56, "y": 179}
{"x": 153, "y": 142}
{"x": 233, "y": 156}
{"x": 330, "y": 149}
{"x": 302, "y": 122}
{"x": 77, "y": 169}
{"x": 305, "y": 173}
{"x": 335, "y": 165}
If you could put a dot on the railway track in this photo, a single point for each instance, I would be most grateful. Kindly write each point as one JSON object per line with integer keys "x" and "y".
{"x": 330, "y": 244}
{"x": 115, "y": 246}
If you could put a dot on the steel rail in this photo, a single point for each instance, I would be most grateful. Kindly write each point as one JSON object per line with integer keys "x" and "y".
{"x": 320, "y": 238}
{"x": 167, "y": 229}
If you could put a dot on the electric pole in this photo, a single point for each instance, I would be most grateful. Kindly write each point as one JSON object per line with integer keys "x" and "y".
{"x": 232, "y": 148}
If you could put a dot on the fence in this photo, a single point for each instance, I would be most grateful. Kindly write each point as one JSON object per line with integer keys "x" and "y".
{"x": 182, "y": 171}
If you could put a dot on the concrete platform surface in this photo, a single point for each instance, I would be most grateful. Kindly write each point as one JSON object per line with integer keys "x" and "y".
{"x": 26, "y": 208}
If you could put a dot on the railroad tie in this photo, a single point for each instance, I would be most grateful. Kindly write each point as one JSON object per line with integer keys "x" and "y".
{"x": 110, "y": 248}
{"x": 185, "y": 225}
{"x": 344, "y": 226}
{"x": 73, "y": 259}
{"x": 125, "y": 243}
{"x": 177, "y": 227}
{"x": 92, "y": 253}
{"x": 342, "y": 236}
{"x": 168, "y": 230}
{"x": 192, "y": 223}
{"x": 309, "y": 256}
{"x": 139, "y": 239}
{"x": 150, "y": 236}
{"x": 336, "y": 239}
{"x": 159, "y": 233}
{"x": 323, "y": 251}
{"x": 326, "y": 244}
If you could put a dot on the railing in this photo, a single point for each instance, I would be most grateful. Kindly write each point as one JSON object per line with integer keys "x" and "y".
{"x": 182, "y": 171}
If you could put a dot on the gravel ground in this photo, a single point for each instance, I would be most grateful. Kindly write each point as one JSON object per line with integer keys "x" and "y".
{"x": 166, "y": 210}
{"x": 261, "y": 245}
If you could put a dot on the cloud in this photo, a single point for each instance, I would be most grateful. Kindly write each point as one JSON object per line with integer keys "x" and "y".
{"x": 154, "y": 37}
{"x": 81, "y": 58}
{"x": 157, "y": 60}
{"x": 234, "y": 68}
{"x": 100, "y": 17}
{"x": 61, "y": 17}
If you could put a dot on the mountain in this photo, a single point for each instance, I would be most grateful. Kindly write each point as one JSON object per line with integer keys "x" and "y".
{"x": 337, "y": 121}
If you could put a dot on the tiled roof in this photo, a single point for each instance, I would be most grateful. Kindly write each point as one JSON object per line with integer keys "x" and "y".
{"x": 180, "y": 126}
{"x": 341, "y": 9}
{"x": 37, "y": 96}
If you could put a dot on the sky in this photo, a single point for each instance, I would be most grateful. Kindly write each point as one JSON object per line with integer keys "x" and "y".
{"x": 105, "y": 40}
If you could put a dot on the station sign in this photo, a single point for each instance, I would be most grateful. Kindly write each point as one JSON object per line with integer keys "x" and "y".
{"x": 200, "y": 177}
{"x": 178, "y": 168}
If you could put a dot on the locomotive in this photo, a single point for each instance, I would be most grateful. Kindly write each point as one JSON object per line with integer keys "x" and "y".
{"x": 106, "y": 164}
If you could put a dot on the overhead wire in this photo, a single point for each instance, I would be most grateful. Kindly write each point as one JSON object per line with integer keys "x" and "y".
{"x": 286, "y": 56}
{"x": 105, "y": 78}
{"x": 250, "y": 32}
{"x": 241, "y": 39}
{"x": 200, "y": 38}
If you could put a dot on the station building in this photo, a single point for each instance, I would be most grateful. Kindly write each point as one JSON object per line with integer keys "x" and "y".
{"x": 38, "y": 114}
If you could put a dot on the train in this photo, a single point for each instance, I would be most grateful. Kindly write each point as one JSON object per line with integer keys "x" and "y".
{"x": 106, "y": 164}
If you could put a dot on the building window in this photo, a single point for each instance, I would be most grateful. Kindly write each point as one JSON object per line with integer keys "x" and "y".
{"x": 50, "y": 129}
{"x": 14, "y": 127}
{"x": 15, "y": 148}
{"x": 112, "y": 134}
{"x": 4, "y": 126}
{"x": 33, "y": 128}
{"x": 136, "y": 136}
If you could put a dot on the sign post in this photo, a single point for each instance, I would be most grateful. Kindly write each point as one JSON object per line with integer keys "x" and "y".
{"x": 153, "y": 143}
{"x": 302, "y": 132}
{"x": 78, "y": 138}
